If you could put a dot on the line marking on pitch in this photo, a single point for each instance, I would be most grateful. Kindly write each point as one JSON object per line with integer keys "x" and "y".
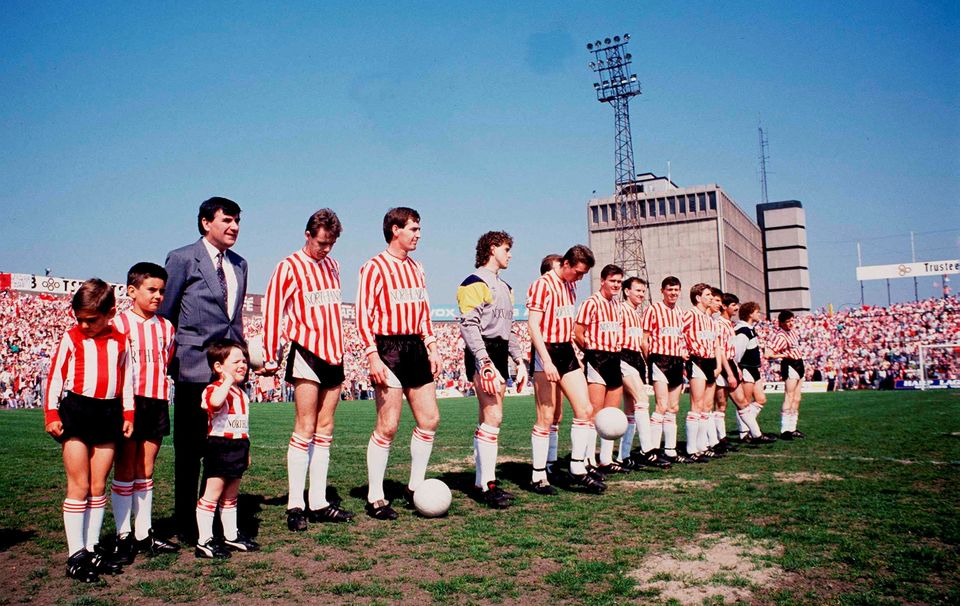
{"x": 853, "y": 458}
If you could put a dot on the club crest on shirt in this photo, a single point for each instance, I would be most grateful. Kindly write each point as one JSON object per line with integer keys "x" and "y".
{"x": 408, "y": 295}
{"x": 317, "y": 298}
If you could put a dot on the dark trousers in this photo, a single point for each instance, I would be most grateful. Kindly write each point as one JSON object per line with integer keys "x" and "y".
{"x": 189, "y": 441}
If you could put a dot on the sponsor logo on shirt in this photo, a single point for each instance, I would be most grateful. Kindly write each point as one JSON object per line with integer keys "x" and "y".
{"x": 609, "y": 326}
{"x": 565, "y": 311}
{"x": 408, "y": 295}
{"x": 500, "y": 314}
{"x": 635, "y": 332}
{"x": 671, "y": 331}
{"x": 317, "y": 298}
{"x": 240, "y": 424}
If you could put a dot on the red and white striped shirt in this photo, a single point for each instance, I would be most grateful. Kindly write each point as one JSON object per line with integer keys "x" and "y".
{"x": 785, "y": 344}
{"x": 556, "y": 298}
{"x": 392, "y": 300}
{"x": 726, "y": 335}
{"x": 665, "y": 327}
{"x": 603, "y": 319}
{"x": 302, "y": 304}
{"x": 232, "y": 420}
{"x": 150, "y": 346}
{"x": 92, "y": 367}
{"x": 632, "y": 322}
{"x": 700, "y": 332}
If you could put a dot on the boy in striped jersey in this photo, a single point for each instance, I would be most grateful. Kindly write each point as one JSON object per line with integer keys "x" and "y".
{"x": 302, "y": 308}
{"x": 552, "y": 393}
{"x": 88, "y": 408}
{"x": 728, "y": 383}
{"x": 703, "y": 367}
{"x": 598, "y": 333}
{"x": 393, "y": 319}
{"x": 486, "y": 321}
{"x": 665, "y": 350}
{"x": 150, "y": 345}
{"x": 227, "y": 452}
{"x": 551, "y": 300}
{"x": 786, "y": 346}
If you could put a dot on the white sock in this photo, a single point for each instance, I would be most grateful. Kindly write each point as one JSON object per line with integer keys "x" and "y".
{"x": 626, "y": 442}
{"x": 708, "y": 431}
{"x": 741, "y": 426}
{"x": 656, "y": 430}
{"x": 486, "y": 436}
{"x": 670, "y": 433}
{"x": 784, "y": 422}
{"x": 540, "y": 448}
{"x": 74, "y": 511}
{"x": 378, "y": 453}
{"x": 142, "y": 507}
{"x": 579, "y": 442}
{"x": 421, "y": 445}
{"x": 206, "y": 510}
{"x": 693, "y": 432}
{"x": 794, "y": 417}
{"x": 228, "y": 517}
{"x": 554, "y": 441}
{"x": 720, "y": 421}
{"x": 642, "y": 415}
{"x": 591, "y": 454}
{"x": 319, "y": 464}
{"x": 476, "y": 460}
{"x": 96, "y": 507}
{"x": 748, "y": 417}
{"x": 299, "y": 451}
{"x": 121, "y": 500}
{"x": 606, "y": 451}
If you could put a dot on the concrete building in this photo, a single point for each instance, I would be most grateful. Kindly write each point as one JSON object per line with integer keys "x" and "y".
{"x": 783, "y": 228}
{"x": 698, "y": 234}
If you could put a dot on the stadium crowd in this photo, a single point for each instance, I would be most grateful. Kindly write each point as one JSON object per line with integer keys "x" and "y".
{"x": 862, "y": 348}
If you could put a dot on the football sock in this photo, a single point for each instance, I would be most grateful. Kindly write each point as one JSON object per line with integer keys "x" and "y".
{"x": 206, "y": 510}
{"x": 298, "y": 459}
{"x": 142, "y": 507}
{"x": 670, "y": 433}
{"x": 319, "y": 464}
{"x": 378, "y": 452}
{"x": 421, "y": 445}
{"x": 626, "y": 442}
{"x": 579, "y": 442}
{"x": 656, "y": 430}
{"x": 720, "y": 422}
{"x": 642, "y": 415}
{"x": 486, "y": 436}
{"x": 591, "y": 454}
{"x": 73, "y": 524}
{"x": 476, "y": 460}
{"x": 228, "y": 517}
{"x": 121, "y": 500}
{"x": 540, "y": 445}
{"x": 552, "y": 450}
{"x": 708, "y": 431}
{"x": 606, "y": 451}
{"x": 693, "y": 432}
{"x": 794, "y": 417}
{"x": 741, "y": 426}
{"x": 96, "y": 507}
{"x": 784, "y": 422}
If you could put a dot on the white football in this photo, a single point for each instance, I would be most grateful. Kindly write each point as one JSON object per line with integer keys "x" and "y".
{"x": 432, "y": 498}
{"x": 611, "y": 423}
{"x": 255, "y": 349}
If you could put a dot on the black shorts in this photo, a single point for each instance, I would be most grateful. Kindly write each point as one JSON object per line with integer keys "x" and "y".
{"x": 751, "y": 374}
{"x": 668, "y": 369}
{"x": 562, "y": 356}
{"x": 499, "y": 352}
{"x": 634, "y": 359}
{"x": 319, "y": 371}
{"x": 93, "y": 421}
{"x": 734, "y": 373}
{"x": 406, "y": 357}
{"x": 701, "y": 368}
{"x": 789, "y": 363}
{"x": 151, "y": 420}
{"x": 603, "y": 367}
{"x": 225, "y": 457}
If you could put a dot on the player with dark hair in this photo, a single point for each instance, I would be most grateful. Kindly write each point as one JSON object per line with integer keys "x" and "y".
{"x": 150, "y": 345}
{"x": 302, "y": 307}
{"x": 728, "y": 383}
{"x": 393, "y": 320}
{"x": 747, "y": 347}
{"x": 486, "y": 321}
{"x": 551, "y": 299}
{"x": 598, "y": 334}
{"x": 665, "y": 350}
{"x": 551, "y": 395}
{"x": 786, "y": 346}
{"x": 703, "y": 367}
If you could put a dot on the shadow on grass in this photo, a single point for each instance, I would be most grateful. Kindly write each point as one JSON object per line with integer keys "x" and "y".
{"x": 14, "y": 536}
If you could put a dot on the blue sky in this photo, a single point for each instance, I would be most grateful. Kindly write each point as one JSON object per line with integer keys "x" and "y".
{"x": 117, "y": 120}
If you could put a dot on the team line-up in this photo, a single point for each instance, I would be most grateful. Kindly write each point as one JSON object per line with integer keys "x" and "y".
{"x": 107, "y": 398}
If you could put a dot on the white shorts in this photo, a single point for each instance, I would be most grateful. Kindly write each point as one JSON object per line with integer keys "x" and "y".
{"x": 697, "y": 372}
{"x": 302, "y": 369}
{"x": 629, "y": 371}
{"x": 592, "y": 375}
{"x": 721, "y": 382}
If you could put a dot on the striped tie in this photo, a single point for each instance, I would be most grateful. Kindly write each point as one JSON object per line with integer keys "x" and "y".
{"x": 222, "y": 277}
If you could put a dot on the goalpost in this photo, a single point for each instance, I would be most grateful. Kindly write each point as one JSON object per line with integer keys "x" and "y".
{"x": 922, "y": 349}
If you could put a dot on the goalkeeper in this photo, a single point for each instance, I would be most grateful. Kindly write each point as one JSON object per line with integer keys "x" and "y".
{"x": 486, "y": 319}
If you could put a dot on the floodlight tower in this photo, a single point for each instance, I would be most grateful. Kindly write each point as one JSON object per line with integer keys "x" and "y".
{"x": 616, "y": 85}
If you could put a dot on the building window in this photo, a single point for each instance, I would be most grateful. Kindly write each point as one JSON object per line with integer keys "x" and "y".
{"x": 663, "y": 207}
{"x": 683, "y": 205}
{"x": 713, "y": 200}
{"x": 703, "y": 202}
{"x": 613, "y": 212}
{"x": 603, "y": 213}
{"x": 643, "y": 208}
{"x": 596, "y": 214}
{"x": 653, "y": 208}
{"x": 673, "y": 206}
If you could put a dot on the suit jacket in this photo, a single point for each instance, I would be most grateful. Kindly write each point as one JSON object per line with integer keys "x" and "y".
{"x": 194, "y": 303}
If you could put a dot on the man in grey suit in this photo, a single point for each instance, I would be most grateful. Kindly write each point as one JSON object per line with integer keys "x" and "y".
{"x": 204, "y": 298}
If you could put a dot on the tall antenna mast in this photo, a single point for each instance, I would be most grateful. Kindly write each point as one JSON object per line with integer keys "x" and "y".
{"x": 764, "y": 156}
{"x": 616, "y": 85}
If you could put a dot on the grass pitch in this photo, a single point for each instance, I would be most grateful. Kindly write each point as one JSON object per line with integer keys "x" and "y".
{"x": 864, "y": 511}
